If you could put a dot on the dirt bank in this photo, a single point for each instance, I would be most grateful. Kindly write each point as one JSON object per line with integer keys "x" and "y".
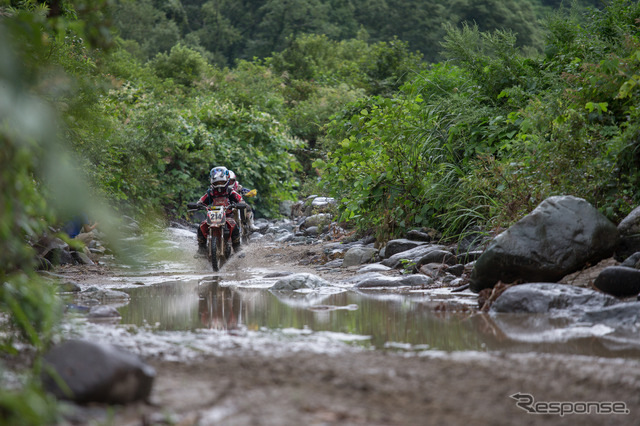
{"x": 384, "y": 389}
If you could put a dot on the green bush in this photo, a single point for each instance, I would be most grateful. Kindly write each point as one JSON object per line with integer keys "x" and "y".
{"x": 183, "y": 65}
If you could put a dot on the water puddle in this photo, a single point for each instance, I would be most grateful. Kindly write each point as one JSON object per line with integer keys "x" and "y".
{"x": 406, "y": 322}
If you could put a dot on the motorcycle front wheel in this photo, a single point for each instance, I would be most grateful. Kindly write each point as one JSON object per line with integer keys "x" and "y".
{"x": 216, "y": 262}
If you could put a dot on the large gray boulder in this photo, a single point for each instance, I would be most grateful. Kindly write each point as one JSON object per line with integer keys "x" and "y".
{"x": 95, "y": 372}
{"x": 559, "y": 237}
{"x": 538, "y": 298}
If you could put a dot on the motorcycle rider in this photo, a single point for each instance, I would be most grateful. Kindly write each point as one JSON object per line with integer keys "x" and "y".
{"x": 219, "y": 189}
{"x": 235, "y": 185}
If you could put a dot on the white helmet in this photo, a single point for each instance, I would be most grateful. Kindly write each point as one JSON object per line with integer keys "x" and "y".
{"x": 219, "y": 177}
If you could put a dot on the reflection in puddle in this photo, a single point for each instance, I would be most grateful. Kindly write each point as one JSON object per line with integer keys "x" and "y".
{"x": 413, "y": 322}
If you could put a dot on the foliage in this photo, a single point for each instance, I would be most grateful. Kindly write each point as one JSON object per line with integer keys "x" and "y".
{"x": 31, "y": 406}
{"x": 377, "y": 68}
{"x": 228, "y": 31}
{"x": 483, "y": 142}
{"x": 392, "y": 165}
{"x": 164, "y": 148}
{"x": 34, "y": 186}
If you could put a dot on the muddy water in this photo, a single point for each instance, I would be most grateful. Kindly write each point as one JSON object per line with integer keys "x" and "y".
{"x": 175, "y": 293}
{"x": 381, "y": 321}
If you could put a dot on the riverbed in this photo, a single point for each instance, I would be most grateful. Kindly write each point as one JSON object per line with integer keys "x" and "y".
{"x": 228, "y": 350}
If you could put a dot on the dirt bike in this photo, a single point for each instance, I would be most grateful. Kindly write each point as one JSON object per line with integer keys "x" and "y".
{"x": 243, "y": 220}
{"x": 220, "y": 230}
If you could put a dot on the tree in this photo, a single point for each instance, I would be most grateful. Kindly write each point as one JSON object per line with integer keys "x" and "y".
{"x": 280, "y": 20}
{"x": 149, "y": 27}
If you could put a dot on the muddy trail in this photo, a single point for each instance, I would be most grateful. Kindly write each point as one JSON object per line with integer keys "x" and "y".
{"x": 228, "y": 351}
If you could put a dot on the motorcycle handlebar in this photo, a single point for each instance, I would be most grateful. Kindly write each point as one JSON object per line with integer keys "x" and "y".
{"x": 195, "y": 206}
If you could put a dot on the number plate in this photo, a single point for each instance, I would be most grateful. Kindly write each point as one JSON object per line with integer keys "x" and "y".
{"x": 216, "y": 215}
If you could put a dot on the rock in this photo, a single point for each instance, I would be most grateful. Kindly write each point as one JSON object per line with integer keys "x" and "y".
{"x": 321, "y": 202}
{"x": 456, "y": 270}
{"x": 97, "y": 250}
{"x": 278, "y": 274}
{"x": 370, "y": 239}
{"x": 319, "y": 219}
{"x": 261, "y": 223}
{"x": 97, "y": 372}
{"x": 284, "y": 225}
{"x": 68, "y": 287}
{"x": 373, "y": 267}
{"x": 433, "y": 270}
{"x": 559, "y": 237}
{"x": 297, "y": 210}
{"x": 358, "y": 255}
{"x": 622, "y": 314}
{"x": 59, "y": 256}
{"x": 632, "y": 261}
{"x": 411, "y": 256}
{"x": 256, "y": 237}
{"x": 627, "y": 246}
{"x": 337, "y": 263}
{"x": 104, "y": 295}
{"x": 284, "y": 208}
{"x": 374, "y": 279}
{"x": 437, "y": 256}
{"x": 535, "y": 298}
{"x": 586, "y": 276}
{"x": 417, "y": 235}
{"x": 81, "y": 258}
{"x": 103, "y": 311}
{"x": 311, "y": 231}
{"x": 46, "y": 244}
{"x": 619, "y": 281}
{"x": 283, "y": 237}
{"x": 398, "y": 246}
{"x": 630, "y": 225}
{"x": 299, "y": 281}
{"x": 416, "y": 280}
